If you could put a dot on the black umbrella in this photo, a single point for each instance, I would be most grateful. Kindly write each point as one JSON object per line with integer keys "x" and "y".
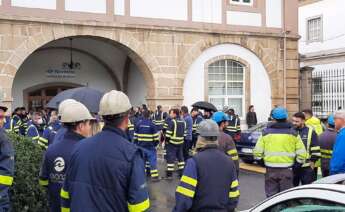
{"x": 205, "y": 105}
{"x": 88, "y": 96}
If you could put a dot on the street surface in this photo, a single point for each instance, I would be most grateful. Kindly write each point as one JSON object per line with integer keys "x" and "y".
{"x": 162, "y": 194}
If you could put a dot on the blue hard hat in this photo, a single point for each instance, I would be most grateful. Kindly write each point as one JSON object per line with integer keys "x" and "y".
{"x": 219, "y": 117}
{"x": 280, "y": 113}
{"x": 331, "y": 120}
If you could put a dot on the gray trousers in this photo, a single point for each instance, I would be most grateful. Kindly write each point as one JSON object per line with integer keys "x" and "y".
{"x": 277, "y": 180}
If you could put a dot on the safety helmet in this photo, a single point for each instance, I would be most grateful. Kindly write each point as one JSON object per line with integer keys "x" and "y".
{"x": 280, "y": 113}
{"x": 225, "y": 109}
{"x": 331, "y": 120}
{"x": 74, "y": 111}
{"x": 63, "y": 104}
{"x": 220, "y": 116}
{"x": 114, "y": 103}
{"x": 208, "y": 128}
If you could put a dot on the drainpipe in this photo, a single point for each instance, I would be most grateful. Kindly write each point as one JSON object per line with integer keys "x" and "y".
{"x": 284, "y": 69}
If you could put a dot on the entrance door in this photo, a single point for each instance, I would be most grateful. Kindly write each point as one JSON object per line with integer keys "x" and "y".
{"x": 39, "y": 98}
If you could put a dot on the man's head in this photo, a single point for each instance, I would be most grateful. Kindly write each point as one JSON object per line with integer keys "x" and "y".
{"x": 174, "y": 113}
{"x": 18, "y": 111}
{"x": 208, "y": 131}
{"x": 77, "y": 117}
{"x": 231, "y": 111}
{"x": 251, "y": 108}
{"x": 339, "y": 119}
{"x": 184, "y": 110}
{"x": 280, "y": 114}
{"x": 221, "y": 119}
{"x": 37, "y": 118}
{"x": 330, "y": 122}
{"x": 114, "y": 108}
{"x": 207, "y": 114}
{"x": 53, "y": 116}
{"x": 159, "y": 108}
{"x": 146, "y": 114}
{"x": 195, "y": 112}
{"x": 298, "y": 120}
{"x": 308, "y": 113}
{"x": 23, "y": 111}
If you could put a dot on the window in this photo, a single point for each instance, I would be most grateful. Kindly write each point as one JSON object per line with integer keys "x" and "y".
{"x": 314, "y": 29}
{"x": 317, "y": 85}
{"x": 226, "y": 85}
{"x": 242, "y": 2}
{"x": 305, "y": 205}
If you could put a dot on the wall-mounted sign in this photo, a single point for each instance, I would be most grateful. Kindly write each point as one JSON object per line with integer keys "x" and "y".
{"x": 60, "y": 73}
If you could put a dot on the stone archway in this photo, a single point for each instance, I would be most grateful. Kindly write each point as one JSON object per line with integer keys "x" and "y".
{"x": 33, "y": 36}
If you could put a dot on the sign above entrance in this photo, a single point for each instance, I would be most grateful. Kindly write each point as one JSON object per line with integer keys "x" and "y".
{"x": 60, "y": 73}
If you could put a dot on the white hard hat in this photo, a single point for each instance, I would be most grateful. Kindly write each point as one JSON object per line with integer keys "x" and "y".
{"x": 63, "y": 104}
{"x": 113, "y": 103}
{"x": 208, "y": 128}
{"x": 74, "y": 111}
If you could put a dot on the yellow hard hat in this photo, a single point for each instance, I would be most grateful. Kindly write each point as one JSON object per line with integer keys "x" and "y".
{"x": 74, "y": 111}
{"x": 113, "y": 103}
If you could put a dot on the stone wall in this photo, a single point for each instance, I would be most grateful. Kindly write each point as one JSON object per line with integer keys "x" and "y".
{"x": 164, "y": 56}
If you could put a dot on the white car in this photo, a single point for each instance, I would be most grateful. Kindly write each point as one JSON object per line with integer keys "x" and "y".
{"x": 327, "y": 194}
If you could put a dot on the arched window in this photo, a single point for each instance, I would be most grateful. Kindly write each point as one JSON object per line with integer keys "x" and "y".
{"x": 226, "y": 85}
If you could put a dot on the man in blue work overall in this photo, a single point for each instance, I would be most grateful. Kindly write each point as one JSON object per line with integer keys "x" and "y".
{"x": 146, "y": 136}
{"x": 205, "y": 184}
{"x": 106, "y": 171}
{"x": 76, "y": 118}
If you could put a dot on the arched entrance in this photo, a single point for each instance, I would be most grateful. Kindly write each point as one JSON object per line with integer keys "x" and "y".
{"x": 69, "y": 62}
{"x": 38, "y": 96}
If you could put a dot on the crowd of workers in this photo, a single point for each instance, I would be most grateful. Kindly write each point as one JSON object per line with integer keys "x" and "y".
{"x": 102, "y": 162}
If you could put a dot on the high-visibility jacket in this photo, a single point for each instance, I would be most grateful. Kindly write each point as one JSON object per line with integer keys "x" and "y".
{"x": 280, "y": 146}
{"x": 6, "y": 169}
{"x": 196, "y": 121}
{"x": 207, "y": 186}
{"x": 176, "y": 132}
{"x": 158, "y": 119}
{"x": 130, "y": 130}
{"x": 106, "y": 173}
{"x": 146, "y": 133}
{"x": 327, "y": 140}
{"x": 311, "y": 143}
{"x": 50, "y": 132}
{"x": 316, "y": 124}
{"x": 227, "y": 145}
{"x": 54, "y": 167}
{"x": 36, "y": 135}
{"x": 234, "y": 126}
{"x": 15, "y": 124}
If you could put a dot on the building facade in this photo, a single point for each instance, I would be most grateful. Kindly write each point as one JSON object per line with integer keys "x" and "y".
{"x": 322, "y": 49}
{"x": 169, "y": 52}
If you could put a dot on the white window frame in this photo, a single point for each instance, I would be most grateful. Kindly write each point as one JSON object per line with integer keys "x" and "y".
{"x": 225, "y": 96}
{"x": 320, "y": 37}
{"x": 241, "y": 2}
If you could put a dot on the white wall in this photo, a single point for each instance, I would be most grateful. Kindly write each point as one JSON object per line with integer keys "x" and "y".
{"x": 274, "y": 13}
{"x": 194, "y": 84}
{"x": 119, "y": 7}
{"x": 92, "y": 6}
{"x": 209, "y": 11}
{"x": 42, "y": 4}
{"x": 166, "y": 9}
{"x": 136, "y": 86}
{"x": 333, "y": 13}
{"x": 243, "y": 18}
{"x": 33, "y": 72}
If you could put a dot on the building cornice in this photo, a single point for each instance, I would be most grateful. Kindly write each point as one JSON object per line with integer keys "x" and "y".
{"x": 302, "y": 3}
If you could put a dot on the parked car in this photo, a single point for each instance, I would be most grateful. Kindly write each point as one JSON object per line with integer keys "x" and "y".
{"x": 248, "y": 141}
{"x": 327, "y": 194}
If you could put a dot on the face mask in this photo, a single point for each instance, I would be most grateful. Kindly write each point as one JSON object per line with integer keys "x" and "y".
{"x": 40, "y": 121}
